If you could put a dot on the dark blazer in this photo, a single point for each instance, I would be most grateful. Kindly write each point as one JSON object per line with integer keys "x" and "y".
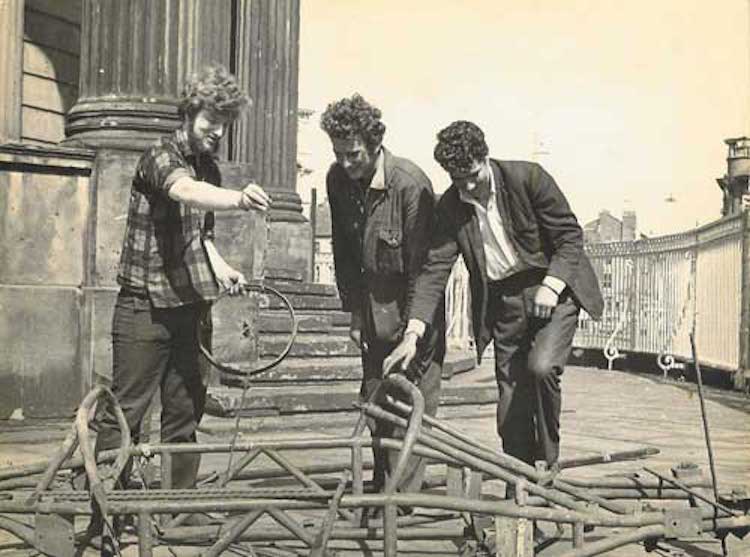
{"x": 539, "y": 223}
{"x": 376, "y": 268}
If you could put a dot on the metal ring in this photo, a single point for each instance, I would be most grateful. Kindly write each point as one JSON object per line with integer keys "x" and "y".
{"x": 236, "y": 371}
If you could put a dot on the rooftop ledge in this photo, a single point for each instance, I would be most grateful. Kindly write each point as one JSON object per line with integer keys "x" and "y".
{"x": 47, "y": 156}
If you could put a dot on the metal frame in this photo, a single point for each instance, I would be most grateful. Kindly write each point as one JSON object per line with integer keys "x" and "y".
{"x": 539, "y": 496}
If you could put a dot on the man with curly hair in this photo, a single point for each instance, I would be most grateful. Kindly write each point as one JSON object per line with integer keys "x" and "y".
{"x": 381, "y": 215}
{"x": 529, "y": 278}
{"x": 170, "y": 271}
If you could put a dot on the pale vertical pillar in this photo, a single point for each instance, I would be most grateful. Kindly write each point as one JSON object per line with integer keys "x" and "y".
{"x": 266, "y": 137}
{"x": 11, "y": 69}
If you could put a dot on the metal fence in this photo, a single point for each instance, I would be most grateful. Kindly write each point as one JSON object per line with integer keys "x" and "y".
{"x": 656, "y": 291}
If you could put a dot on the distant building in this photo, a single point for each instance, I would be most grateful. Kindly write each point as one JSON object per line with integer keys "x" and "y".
{"x": 323, "y": 270}
{"x": 734, "y": 184}
{"x": 608, "y": 228}
{"x": 307, "y": 179}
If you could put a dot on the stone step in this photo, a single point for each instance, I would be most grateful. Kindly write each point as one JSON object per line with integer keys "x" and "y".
{"x": 301, "y": 302}
{"x": 308, "y": 345}
{"x": 336, "y": 318}
{"x": 307, "y": 288}
{"x": 280, "y": 323}
{"x": 308, "y": 371}
{"x": 347, "y": 368}
{"x": 273, "y": 274}
{"x": 300, "y": 399}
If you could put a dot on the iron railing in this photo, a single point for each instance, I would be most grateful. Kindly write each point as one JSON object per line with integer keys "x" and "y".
{"x": 656, "y": 291}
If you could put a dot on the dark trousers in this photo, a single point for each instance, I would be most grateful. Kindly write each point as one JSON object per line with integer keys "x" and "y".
{"x": 384, "y": 461}
{"x": 530, "y": 355}
{"x": 157, "y": 349}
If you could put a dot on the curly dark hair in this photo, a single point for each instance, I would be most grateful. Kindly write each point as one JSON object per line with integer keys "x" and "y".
{"x": 459, "y": 146}
{"x": 352, "y": 117}
{"x": 214, "y": 89}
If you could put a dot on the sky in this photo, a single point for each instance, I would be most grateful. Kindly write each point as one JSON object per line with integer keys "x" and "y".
{"x": 625, "y": 103}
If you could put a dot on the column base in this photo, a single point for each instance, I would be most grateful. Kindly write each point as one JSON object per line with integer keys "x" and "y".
{"x": 130, "y": 125}
{"x": 289, "y": 247}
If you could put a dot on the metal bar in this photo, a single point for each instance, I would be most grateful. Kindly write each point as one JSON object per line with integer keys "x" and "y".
{"x": 243, "y": 463}
{"x": 228, "y": 537}
{"x": 66, "y": 450}
{"x": 557, "y": 483}
{"x": 607, "y": 457}
{"x": 507, "y": 461}
{"x": 704, "y": 419}
{"x": 413, "y": 427}
{"x": 302, "y": 478}
{"x": 185, "y": 535}
{"x": 18, "y": 529}
{"x": 655, "y": 531}
{"x": 181, "y": 448}
{"x": 419, "y": 450}
{"x": 563, "y": 463}
{"x": 145, "y": 537}
{"x": 166, "y": 470}
{"x": 221, "y": 504}
{"x": 438, "y": 424}
{"x": 294, "y": 444}
{"x": 479, "y": 460}
{"x": 633, "y": 483}
{"x": 390, "y": 530}
{"x": 613, "y": 542}
{"x": 321, "y": 540}
{"x": 275, "y": 473}
{"x": 224, "y": 479}
{"x": 200, "y": 533}
{"x": 579, "y": 535}
{"x": 299, "y": 532}
{"x": 357, "y": 479}
{"x": 692, "y": 492}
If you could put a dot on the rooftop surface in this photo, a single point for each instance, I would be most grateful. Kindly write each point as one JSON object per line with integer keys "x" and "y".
{"x": 603, "y": 412}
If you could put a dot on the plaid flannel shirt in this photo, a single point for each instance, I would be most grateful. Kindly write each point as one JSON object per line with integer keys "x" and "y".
{"x": 163, "y": 255}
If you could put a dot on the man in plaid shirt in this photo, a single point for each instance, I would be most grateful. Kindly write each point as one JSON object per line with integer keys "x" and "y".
{"x": 170, "y": 270}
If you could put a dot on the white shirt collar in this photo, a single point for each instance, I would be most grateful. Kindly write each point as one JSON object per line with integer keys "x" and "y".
{"x": 378, "y": 180}
{"x": 468, "y": 198}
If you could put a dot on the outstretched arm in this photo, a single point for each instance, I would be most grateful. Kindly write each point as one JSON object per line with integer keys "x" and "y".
{"x": 203, "y": 195}
{"x": 428, "y": 288}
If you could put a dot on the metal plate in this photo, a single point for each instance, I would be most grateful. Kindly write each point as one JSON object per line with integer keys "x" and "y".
{"x": 682, "y": 523}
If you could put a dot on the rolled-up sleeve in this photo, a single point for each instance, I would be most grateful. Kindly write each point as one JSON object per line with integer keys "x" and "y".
{"x": 158, "y": 170}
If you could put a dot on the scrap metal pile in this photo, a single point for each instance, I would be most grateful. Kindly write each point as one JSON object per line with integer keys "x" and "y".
{"x": 302, "y": 513}
{"x": 642, "y": 508}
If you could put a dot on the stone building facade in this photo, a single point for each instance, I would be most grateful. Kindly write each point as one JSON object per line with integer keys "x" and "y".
{"x": 86, "y": 86}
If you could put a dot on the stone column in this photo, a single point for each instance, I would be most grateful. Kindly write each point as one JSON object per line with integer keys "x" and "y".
{"x": 11, "y": 62}
{"x": 135, "y": 56}
{"x": 266, "y": 137}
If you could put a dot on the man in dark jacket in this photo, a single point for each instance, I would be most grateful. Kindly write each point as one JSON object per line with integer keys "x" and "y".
{"x": 528, "y": 276}
{"x": 381, "y": 216}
